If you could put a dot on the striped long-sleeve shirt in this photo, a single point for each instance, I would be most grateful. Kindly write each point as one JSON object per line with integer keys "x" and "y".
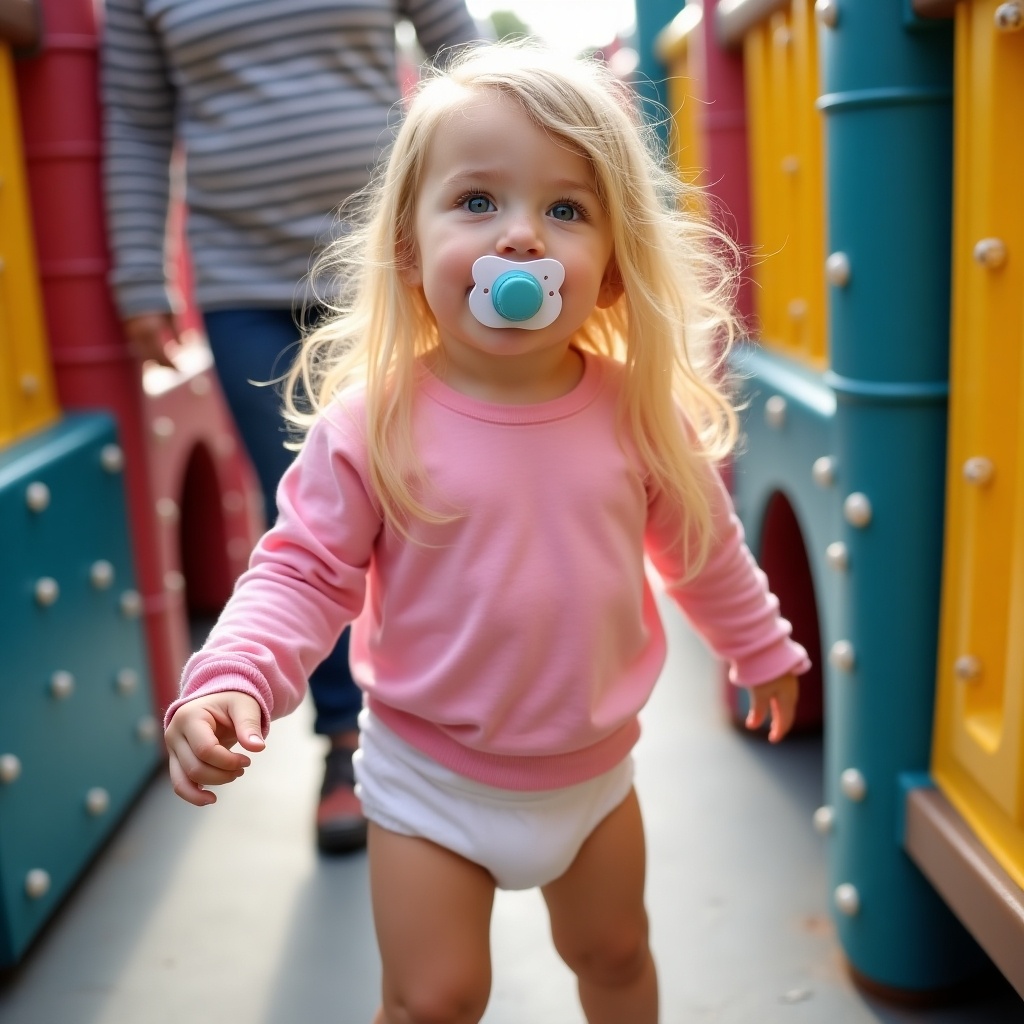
{"x": 281, "y": 107}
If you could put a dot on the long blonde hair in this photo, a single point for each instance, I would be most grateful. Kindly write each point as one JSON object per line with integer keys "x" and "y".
{"x": 670, "y": 328}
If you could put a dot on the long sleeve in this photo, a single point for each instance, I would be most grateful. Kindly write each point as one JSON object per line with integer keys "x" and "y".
{"x": 305, "y": 582}
{"x": 728, "y": 601}
{"x": 139, "y": 111}
{"x": 441, "y": 23}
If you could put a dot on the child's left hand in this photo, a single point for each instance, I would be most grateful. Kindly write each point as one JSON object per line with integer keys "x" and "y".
{"x": 779, "y": 696}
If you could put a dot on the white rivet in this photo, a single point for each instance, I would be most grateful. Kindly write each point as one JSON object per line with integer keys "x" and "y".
{"x": 857, "y": 509}
{"x": 101, "y": 574}
{"x": 790, "y": 165}
{"x": 824, "y": 819}
{"x": 145, "y": 728}
{"x": 126, "y": 681}
{"x": 233, "y": 501}
{"x": 775, "y": 411}
{"x": 847, "y": 899}
{"x": 797, "y": 309}
{"x": 978, "y": 470}
{"x": 47, "y": 591}
{"x": 62, "y": 684}
{"x": 837, "y": 269}
{"x": 174, "y": 581}
{"x": 826, "y": 12}
{"x": 990, "y": 253}
{"x": 10, "y": 767}
{"x": 112, "y": 458}
{"x": 163, "y": 428}
{"x": 225, "y": 446}
{"x": 853, "y": 785}
{"x": 37, "y": 496}
{"x": 841, "y": 655}
{"x": 37, "y": 883}
{"x": 823, "y": 472}
{"x": 97, "y": 801}
{"x": 167, "y": 510}
{"x": 29, "y": 385}
{"x": 199, "y": 385}
{"x": 782, "y": 36}
{"x": 967, "y": 668}
{"x": 837, "y": 556}
{"x": 131, "y": 604}
{"x": 1009, "y": 17}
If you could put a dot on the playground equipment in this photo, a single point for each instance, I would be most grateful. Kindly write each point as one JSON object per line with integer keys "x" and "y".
{"x": 868, "y": 518}
{"x": 121, "y": 505}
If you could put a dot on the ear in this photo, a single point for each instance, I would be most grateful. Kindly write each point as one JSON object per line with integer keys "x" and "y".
{"x": 611, "y": 286}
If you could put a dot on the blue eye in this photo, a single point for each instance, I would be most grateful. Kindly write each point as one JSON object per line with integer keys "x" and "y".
{"x": 478, "y": 204}
{"x": 566, "y": 211}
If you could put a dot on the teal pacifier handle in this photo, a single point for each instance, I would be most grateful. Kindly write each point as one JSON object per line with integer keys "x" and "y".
{"x": 517, "y": 295}
{"x": 523, "y": 294}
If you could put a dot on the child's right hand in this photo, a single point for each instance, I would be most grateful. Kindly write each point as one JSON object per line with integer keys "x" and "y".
{"x": 199, "y": 740}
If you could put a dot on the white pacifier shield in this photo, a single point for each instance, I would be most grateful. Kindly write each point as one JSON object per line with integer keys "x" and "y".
{"x": 509, "y": 293}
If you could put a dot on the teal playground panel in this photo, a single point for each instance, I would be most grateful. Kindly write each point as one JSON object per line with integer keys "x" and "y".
{"x": 77, "y": 734}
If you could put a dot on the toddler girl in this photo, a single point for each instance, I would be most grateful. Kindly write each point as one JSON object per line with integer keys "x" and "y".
{"x": 517, "y": 398}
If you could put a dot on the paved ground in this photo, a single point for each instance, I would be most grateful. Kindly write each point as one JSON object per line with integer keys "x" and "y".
{"x": 227, "y": 915}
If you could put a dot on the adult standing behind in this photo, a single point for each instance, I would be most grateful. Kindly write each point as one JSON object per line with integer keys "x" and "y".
{"x": 281, "y": 108}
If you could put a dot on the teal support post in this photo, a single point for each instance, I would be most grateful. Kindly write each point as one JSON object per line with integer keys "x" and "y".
{"x": 887, "y": 102}
{"x": 651, "y": 17}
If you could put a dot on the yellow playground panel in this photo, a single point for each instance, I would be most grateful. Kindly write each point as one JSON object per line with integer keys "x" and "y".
{"x": 787, "y": 171}
{"x": 27, "y": 396}
{"x": 978, "y": 757}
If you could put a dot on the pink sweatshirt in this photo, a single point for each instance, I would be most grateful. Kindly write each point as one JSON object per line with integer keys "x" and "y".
{"x": 517, "y": 643}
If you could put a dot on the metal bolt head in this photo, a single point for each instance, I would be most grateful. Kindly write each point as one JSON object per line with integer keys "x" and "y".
{"x": 990, "y": 253}
{"x": 775, "y": 411}
{"x": 97, "y": 801}
{"x": 967, "y": 668}
{"x": 62, "y": 684}
{"x": 837, "y": 269}
{"x": 163, "y": 428}
{"x": 826, "y": 12}
{"x": 823, "y": 472}
{"x": 857, "y": 509}
{"x": 126, "y": 681}
{"x": 10, "y": 768}
{"x": 37, "y": 496}
{"x": 167, "y": 510}
{"x": 837, "y": 556}
{"x": 1009, "y": 17}
{"x": 37, "y": 883}
{"x": 101, "y": 574}
{"x": 841, "y": 655}
{"x": 47, "y": 590}
{"x": 853, "y": 784}
{"x": 847, "y": 899}
{"x": 824, "y": 820}
{"x": 131, "y": 604}
{"x": 979, "y": 470}
{"x": 112, "y": 458}
{"x": 146, "y": 728}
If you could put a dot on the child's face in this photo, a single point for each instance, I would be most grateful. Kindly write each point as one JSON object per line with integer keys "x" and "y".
{"x": 495, "y": 183}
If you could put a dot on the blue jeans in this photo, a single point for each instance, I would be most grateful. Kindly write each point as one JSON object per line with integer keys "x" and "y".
{"x": 259, "y": 345}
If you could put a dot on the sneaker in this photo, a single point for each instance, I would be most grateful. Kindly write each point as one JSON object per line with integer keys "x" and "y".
{"x": 340, "y": 825}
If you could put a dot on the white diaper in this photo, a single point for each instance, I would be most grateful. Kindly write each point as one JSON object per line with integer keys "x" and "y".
{"x": 524, "y": 839}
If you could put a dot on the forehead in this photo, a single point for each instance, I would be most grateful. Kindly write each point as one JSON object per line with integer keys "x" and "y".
{"x": 488, "y": 128}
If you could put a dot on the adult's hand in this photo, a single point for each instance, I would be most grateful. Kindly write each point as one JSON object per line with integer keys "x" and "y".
{"x": 152, "y": 336}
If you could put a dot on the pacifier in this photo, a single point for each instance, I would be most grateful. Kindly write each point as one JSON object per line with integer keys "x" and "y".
{"x": 507, "y": 293}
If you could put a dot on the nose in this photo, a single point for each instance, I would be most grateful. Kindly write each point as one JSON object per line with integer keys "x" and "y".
{"x": 521, "y": 236}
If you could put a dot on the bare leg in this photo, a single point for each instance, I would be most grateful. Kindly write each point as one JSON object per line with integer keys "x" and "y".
{"x": 432, "y": 912}
{"x": 599, "y": 923}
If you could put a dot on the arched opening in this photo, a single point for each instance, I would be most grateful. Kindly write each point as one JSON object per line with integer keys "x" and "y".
{"x": 204, "y": 537}
{"x": 784, "y": 558}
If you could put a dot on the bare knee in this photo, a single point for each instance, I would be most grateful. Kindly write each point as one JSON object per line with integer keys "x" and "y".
{"x": 438, "y": 1001}
{"x": 610, "y": 960}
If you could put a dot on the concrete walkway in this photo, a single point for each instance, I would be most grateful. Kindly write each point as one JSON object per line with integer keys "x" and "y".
{"x": 227, "y": 915}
